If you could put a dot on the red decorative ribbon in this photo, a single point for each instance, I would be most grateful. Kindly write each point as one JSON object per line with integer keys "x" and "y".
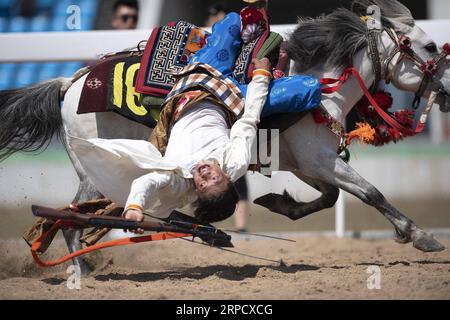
{"x": 383, "y": 114}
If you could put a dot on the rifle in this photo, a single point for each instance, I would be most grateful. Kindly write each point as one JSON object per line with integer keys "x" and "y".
{"x": 82, "y": 221}
{"x": 165, "y": 231}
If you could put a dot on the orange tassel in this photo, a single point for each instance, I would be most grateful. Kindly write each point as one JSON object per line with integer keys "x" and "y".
{"x": 364, "y": 132}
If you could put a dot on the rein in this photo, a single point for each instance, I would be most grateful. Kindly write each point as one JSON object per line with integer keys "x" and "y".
{"x": 383, "y": 114}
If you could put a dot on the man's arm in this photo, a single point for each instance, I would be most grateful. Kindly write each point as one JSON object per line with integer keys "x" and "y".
{"x": 144, "y": 189}
{"x": 243, "y": 132}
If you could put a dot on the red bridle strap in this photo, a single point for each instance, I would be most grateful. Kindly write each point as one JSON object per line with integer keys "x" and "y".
{"x": 340, "y": 82}
{"x": 383, "y": 114}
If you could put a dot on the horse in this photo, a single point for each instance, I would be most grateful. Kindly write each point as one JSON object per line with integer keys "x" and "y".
{"x": 322, "y": 47}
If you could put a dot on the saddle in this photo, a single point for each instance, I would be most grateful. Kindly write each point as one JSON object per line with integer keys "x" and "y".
{"x": 134, "y": 84}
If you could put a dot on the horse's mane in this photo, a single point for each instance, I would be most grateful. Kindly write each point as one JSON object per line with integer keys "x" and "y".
{"x": 332, "y": 40}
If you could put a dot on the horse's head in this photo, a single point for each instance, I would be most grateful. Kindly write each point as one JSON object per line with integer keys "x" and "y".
{"x": 419, "y": 66}
{"x": 414, "y": 62}
{"x": 406, "y": 55}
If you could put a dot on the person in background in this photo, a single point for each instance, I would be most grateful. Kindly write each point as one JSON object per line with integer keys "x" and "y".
{"x": 125, "y": 15}
{"x": 241, "y": 213}
{"x": 216, "y": 13}
{"x": 27, "y": 8}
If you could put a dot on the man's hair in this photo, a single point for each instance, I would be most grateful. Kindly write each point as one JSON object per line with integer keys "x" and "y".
{"x": 209, "y": 209}
{"x": 218, "y": 7}
{"x": 127, "y": 3}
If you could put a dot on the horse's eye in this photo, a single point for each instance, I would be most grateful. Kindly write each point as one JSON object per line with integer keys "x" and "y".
{"x": 431, "y": 48}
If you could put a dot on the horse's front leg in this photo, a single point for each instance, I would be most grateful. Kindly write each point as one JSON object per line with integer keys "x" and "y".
{"x": 343, "y": 176}
{"x": 286, "y": 205}
{"x": 289, "y": 160}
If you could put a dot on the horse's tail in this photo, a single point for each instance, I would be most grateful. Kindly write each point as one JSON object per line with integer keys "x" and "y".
{"x": 29, "y": 117}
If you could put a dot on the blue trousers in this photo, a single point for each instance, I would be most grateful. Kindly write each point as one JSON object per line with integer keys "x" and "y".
{"x": 290, "y": 94}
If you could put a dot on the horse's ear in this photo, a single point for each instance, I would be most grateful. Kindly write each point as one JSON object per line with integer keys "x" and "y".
{"x": 392, "y": 12}
{"x": 360, "y": 7}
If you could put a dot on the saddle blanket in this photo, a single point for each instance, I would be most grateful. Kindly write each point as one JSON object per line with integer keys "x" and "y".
{"x": 167, "y": 52}
{"x": 111, "y": 86}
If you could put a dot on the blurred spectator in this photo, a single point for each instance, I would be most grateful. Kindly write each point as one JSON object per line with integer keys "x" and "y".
{"x": 27, "y": 8}
{"x": 216, "y": 13}
{"x": 241, "y": 213}
{"x": 125, "y": 15}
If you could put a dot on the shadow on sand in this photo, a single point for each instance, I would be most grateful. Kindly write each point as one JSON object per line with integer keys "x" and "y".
{"x": 232, "y": 273}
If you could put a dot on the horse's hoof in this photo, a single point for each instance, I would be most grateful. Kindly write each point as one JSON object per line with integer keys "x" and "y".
{"x": 402, "y": 238}
{"x": 267, "y": 201}
{"x": 426, "y": 243}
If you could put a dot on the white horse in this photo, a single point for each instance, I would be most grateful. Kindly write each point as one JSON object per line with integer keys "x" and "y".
{"x": 322, "y": 47}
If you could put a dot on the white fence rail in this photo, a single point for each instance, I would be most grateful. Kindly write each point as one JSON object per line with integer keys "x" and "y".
{"x": 76, "y": 46}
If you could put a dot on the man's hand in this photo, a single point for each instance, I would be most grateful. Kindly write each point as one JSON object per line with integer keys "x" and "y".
{"x": 264, "y": 64}
{"x": 136, "y": 215}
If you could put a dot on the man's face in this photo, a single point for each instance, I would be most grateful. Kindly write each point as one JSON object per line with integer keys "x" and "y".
{"x": 209, "y": 178}
{"x": 125, "y": 18}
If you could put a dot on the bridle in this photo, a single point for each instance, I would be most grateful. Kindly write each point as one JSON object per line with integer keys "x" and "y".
{"x": 403, "y": 49}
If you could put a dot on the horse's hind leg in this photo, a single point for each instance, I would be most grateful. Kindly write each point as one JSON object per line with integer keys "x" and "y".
{"x": 86, "y": 191}
{"x": 72, "y": 236}
{"x": 343, "y": 176}
{"x": 289, "y": 207}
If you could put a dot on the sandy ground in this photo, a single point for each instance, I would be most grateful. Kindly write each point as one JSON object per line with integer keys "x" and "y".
{"x": 313, "y": 268}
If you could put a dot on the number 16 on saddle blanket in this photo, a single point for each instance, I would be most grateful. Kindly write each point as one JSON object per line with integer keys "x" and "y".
{"x": 134, "y": 84}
